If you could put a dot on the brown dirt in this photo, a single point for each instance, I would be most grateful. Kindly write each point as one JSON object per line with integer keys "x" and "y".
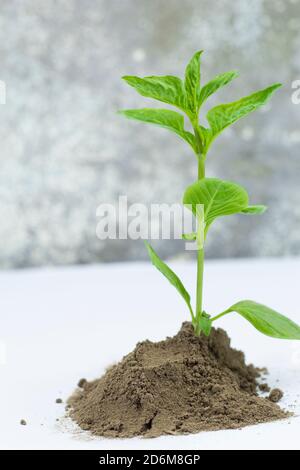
{"x": 181, "y": 385}
{"x": 81, "y": 383}
{"x": 264, "y": 387}
{"x": 275, "y": 395}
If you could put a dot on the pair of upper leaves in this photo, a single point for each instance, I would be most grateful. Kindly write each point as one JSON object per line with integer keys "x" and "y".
{"x": 188, "y": 96}
{"x": 263, "y": 318}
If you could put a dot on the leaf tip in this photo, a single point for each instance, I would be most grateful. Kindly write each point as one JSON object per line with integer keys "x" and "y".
{"x": 263, "y": 209}
{"x": 123, "y": 112}
{"x": 195, "y": 56}
{"x": 128, "y": 79}
{"x": 274, "y": 87}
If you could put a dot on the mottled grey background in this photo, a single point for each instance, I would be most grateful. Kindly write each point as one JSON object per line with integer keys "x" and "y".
{"x": 64, "y": 150}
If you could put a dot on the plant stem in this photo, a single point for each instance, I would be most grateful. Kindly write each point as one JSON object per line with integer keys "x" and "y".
{"x": 200, "y": 254}
{"x": 201, "y": 166}
{"x": 199, "y": 288}
{"x": 219, "y": 316}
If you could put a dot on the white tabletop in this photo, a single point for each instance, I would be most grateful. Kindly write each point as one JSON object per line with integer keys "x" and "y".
{"x": 58, "y": 325}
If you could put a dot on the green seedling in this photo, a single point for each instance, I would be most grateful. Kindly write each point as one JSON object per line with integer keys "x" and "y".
{"x": 216, "y": 197}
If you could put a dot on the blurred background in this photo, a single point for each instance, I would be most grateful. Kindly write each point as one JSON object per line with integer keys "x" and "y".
{"x": 64, "y": 150}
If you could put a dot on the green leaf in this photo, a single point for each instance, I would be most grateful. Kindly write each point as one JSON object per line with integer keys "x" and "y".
{"x": 192, "y": 82}
{"x": 218, "y": 197}
{"x": 205, "y": 137}
{"x": 170, "y": 275}
{"x": 216, "y": 83}
{"x": 163, "y": 118}
{"x": 189, "y": 236}
{"x": 205, "y": 323}
{"x": 167, "y": 89}
{"x": 266, "y": 320}
{"x": 257, "y": 209}
{"x": 223, "y": 115}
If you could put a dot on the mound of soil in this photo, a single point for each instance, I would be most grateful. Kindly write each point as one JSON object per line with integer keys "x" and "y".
{"x": 181, "y": 385}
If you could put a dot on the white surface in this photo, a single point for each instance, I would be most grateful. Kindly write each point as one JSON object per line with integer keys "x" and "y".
{"x": 60, "y": 325}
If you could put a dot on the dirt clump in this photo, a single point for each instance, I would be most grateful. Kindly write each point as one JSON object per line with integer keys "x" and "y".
{"x": 184, "y": 384}
{"x": 275, "y": 395}
{"x": 264, "y": 387}
{"x": 81, "y": 383}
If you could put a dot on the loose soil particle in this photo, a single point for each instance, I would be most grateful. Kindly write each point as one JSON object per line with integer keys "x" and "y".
{"x": 81, "y": 383}
{"x": 23, "y": 422}
{"x": 275, "y": 395}
{"x": 181, "y": 385}
{"x": 264, "y": 387}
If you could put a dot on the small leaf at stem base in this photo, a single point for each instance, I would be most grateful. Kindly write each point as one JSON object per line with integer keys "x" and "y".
{"x": 205, "y": 323}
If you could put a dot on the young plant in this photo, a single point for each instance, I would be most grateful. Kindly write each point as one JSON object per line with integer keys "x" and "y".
{"x": 216, "y": 197}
